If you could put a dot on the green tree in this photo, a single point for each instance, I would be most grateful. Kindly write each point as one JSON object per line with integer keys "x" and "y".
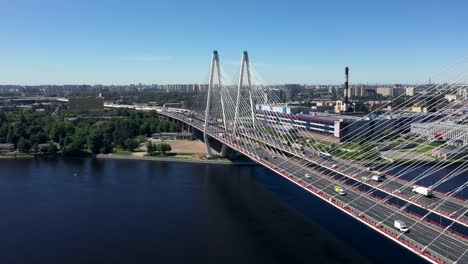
{"x": 131, "y": 144}
{"x": 150, "y": 148}
{"x": 38, "y": 138}
{"x": 145, "y": 129}
{"x": 24, "y": 145}
{"x": 11, "y": 136}
{"x": 107, "y": 147}
{"x": 95, "y": 142}
{"x": 163, "y": 147}
{"x": 57, "y": 131}
{"x": 3, "y": 132}
{"x": 74, "y": 147}
{"x": 67, "y": 140}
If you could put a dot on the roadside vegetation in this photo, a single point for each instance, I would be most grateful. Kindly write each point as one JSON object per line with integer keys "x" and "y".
{"x": 48, "y": 132}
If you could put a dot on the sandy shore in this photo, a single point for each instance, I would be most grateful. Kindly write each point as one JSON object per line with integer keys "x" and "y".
{"x": 185, "y": 146}
{"x": 195, "y": 147}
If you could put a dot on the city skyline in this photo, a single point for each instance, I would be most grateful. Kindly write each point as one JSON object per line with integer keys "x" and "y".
{"x": 50, "y": 42}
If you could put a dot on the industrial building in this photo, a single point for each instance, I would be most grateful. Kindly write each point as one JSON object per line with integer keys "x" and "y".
{"x": 340, "y": 127}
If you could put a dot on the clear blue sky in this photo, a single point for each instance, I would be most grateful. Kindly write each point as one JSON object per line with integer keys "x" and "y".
{"x": 121, "y": 42}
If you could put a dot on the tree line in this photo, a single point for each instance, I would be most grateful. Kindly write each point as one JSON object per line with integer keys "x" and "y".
{"x": 122, "y": 128}
{"x": 153, "y": 148}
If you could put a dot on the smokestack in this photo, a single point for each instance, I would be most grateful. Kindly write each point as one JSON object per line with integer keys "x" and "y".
{"x": 346, "y": 88}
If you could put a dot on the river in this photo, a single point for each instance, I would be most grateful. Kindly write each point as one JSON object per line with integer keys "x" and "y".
{"x": 85, "y": 210}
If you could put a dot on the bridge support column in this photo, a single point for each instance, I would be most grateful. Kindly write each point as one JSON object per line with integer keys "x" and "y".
{"x": 223, "y": 150}
{"x": 249, "y": 82}
{"x": 224, "y": 147}
{"x": 214, "y": 63}
{"x": 244, "y": 67}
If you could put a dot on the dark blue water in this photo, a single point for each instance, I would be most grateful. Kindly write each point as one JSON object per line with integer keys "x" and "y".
{"x": 118, "y": 211}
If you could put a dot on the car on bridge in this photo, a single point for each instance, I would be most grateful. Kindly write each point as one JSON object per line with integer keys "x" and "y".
{"x": 339, "y": 190}
{"x": 325, "y": 156}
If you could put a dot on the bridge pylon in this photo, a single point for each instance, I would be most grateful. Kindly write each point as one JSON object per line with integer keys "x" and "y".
{"x": 215, "y": 71}
{"x": 244, "y": 71}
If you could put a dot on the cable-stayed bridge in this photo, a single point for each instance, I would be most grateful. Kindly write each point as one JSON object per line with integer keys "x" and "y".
{"x": 249, "y": 117}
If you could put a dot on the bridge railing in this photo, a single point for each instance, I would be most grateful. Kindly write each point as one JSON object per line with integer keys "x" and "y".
{"x": 434, "y": 256}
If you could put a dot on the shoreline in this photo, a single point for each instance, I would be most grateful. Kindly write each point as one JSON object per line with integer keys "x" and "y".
{"x": 213, "y": 161}
{"x": 25, "y": 156}
{"x": 128, "y": 157}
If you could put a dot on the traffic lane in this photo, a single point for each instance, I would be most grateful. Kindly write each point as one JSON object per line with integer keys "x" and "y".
{"x": 446, "y": 205}
{"x": 399, "y": 183}
{"x": 419, "y": 232}
{"x": 360, "y": 197}
{"x": 381, "y": 212}
{"x": 394, "y": 185}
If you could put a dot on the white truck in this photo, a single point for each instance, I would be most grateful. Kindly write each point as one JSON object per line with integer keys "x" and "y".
{"x": 376, "y": 178}
{"x": 400, "y": 225}
{"x": 422, "y": 190}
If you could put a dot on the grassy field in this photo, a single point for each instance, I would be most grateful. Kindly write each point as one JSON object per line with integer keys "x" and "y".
{"x": 423, "y": 147}
{"x": 121, "y": 152}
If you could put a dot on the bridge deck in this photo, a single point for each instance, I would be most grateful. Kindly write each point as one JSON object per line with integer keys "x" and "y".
{"x": 452, "y": 208}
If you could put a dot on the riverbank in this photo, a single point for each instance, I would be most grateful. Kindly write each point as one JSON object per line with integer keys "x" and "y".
{"x": 16, "y": 156}
{"x": 174, "y": 159}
